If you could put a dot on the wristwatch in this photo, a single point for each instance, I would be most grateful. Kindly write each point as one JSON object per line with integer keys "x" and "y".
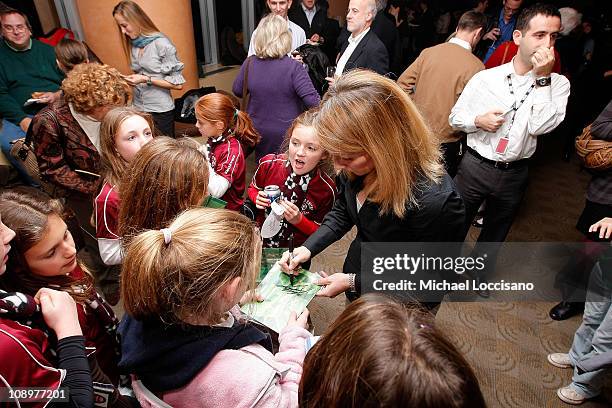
{"x": 351, "y": 277}
{"x": 150, "y": 82}
{"x": 544, "y": 81}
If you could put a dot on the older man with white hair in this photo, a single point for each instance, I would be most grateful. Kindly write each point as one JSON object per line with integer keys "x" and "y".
{"x": 363, "y": 49}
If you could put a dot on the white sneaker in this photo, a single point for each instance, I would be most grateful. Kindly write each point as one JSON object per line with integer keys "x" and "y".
{"x": 570, "y": 396}
{"x": 560, "y": 360}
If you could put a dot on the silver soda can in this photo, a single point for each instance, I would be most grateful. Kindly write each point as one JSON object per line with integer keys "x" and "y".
{"x": 273, "y": 192}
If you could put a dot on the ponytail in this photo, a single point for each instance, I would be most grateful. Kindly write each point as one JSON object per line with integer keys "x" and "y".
{"x": 219, "y": 107}
{"x": 176, "y": 274}
{"x": 143, "y": 267}
{"x": 244, "y": 129}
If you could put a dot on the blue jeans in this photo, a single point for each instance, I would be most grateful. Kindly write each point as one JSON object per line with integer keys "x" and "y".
{"x": 594, "y": 336}
{"x": 9, "y": 133}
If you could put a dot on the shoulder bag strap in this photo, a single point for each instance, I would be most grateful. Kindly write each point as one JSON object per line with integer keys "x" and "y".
{"x": 245, "y": 86}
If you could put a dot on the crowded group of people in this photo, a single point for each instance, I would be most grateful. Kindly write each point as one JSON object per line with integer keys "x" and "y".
{"x": 120, "y": 211}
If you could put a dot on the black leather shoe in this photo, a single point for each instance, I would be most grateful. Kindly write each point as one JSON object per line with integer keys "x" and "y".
{"x": 565, "y": 310}
{"x": 482, "y": 292}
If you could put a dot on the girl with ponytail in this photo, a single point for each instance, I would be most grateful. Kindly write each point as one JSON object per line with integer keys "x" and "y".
{"x": 227, "y": 131}
{"x": 183, "y": 338}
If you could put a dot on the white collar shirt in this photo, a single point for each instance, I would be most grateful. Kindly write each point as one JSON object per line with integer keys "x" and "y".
{"x": 298, "y": 37}
{"x": 461, "y": 43}
{"x": 309, "y": 13}
{"x": 541, "y": 112}
{"x": 90, "y": 126}
{"x": 353, "y": 42}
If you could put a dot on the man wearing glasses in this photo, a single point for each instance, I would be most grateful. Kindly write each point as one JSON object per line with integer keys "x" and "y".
{"x": 27, "y": 66}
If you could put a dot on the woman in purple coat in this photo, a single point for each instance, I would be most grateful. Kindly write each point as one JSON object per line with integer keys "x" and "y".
{"x": 278, "y": 87}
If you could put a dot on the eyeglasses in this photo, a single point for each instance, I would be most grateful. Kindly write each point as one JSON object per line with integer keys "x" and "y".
{"x": 15, "y": 29}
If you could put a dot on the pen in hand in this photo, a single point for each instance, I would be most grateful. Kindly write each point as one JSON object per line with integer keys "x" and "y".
{"x": 291, "y": 248}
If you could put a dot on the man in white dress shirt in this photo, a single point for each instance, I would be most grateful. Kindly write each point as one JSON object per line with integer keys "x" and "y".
{"x": 503, "y": 110}
{"x": 281, "y": 8}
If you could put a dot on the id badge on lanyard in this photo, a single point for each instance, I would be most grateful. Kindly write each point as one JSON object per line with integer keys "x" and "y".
{"x": 502, "y": 144}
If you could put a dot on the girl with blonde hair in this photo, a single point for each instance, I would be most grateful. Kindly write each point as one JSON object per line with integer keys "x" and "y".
{"x": 153, "y": 58}
{"x": 183, "y": 338}
{"x": 307, "y": 191}
{"x": 392, "y": 182}
{"x": 122, "y": 133}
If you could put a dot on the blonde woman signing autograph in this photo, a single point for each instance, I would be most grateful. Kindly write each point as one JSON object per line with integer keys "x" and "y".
{"x": 392, "y": 184}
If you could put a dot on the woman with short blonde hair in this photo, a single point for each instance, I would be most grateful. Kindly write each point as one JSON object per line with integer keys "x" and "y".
{"x": 278, "y": 88}
{"x": 272, "y": 38}
{"x": 392, "y": 182}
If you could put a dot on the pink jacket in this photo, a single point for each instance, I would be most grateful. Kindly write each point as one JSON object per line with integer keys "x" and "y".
{"x": 248, "y": 377}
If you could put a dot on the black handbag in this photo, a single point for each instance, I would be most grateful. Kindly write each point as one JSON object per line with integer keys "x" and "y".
{"x": 184, "y": 107}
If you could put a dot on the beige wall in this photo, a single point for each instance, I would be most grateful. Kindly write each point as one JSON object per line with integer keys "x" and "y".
{"x": 47, "y": 15}
{"x": 173, "y": 18}
{"x": 337, "y": 10}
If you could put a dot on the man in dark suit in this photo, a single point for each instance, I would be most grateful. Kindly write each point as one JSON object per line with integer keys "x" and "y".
{"x": 387, "y": 32}
{"x": 362, "y": 49}
{"x": 311, "y": 15}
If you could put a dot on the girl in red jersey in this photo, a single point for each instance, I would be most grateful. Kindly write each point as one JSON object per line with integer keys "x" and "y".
{"x": 307, "y": 192}
{"x": 122, "y": 133}
{"x": 45, "y": 256}
{"x": 227, "y": 130}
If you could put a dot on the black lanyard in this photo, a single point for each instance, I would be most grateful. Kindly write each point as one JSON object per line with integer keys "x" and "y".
{"x": 514, "y": 106}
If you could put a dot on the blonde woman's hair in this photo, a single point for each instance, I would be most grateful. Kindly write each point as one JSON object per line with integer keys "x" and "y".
{"x": 136, "y": 16}
{"x": 272, "y": 38}
{"x": 364, "y": 112}
{"x": 182, "y": 280}
{"x": 114, "y": 165}
{"x": 91, "y": 85}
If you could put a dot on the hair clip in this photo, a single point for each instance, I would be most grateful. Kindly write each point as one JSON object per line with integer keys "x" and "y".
{"x": 236, "y": 113}
{"x": 167, "y": 235}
